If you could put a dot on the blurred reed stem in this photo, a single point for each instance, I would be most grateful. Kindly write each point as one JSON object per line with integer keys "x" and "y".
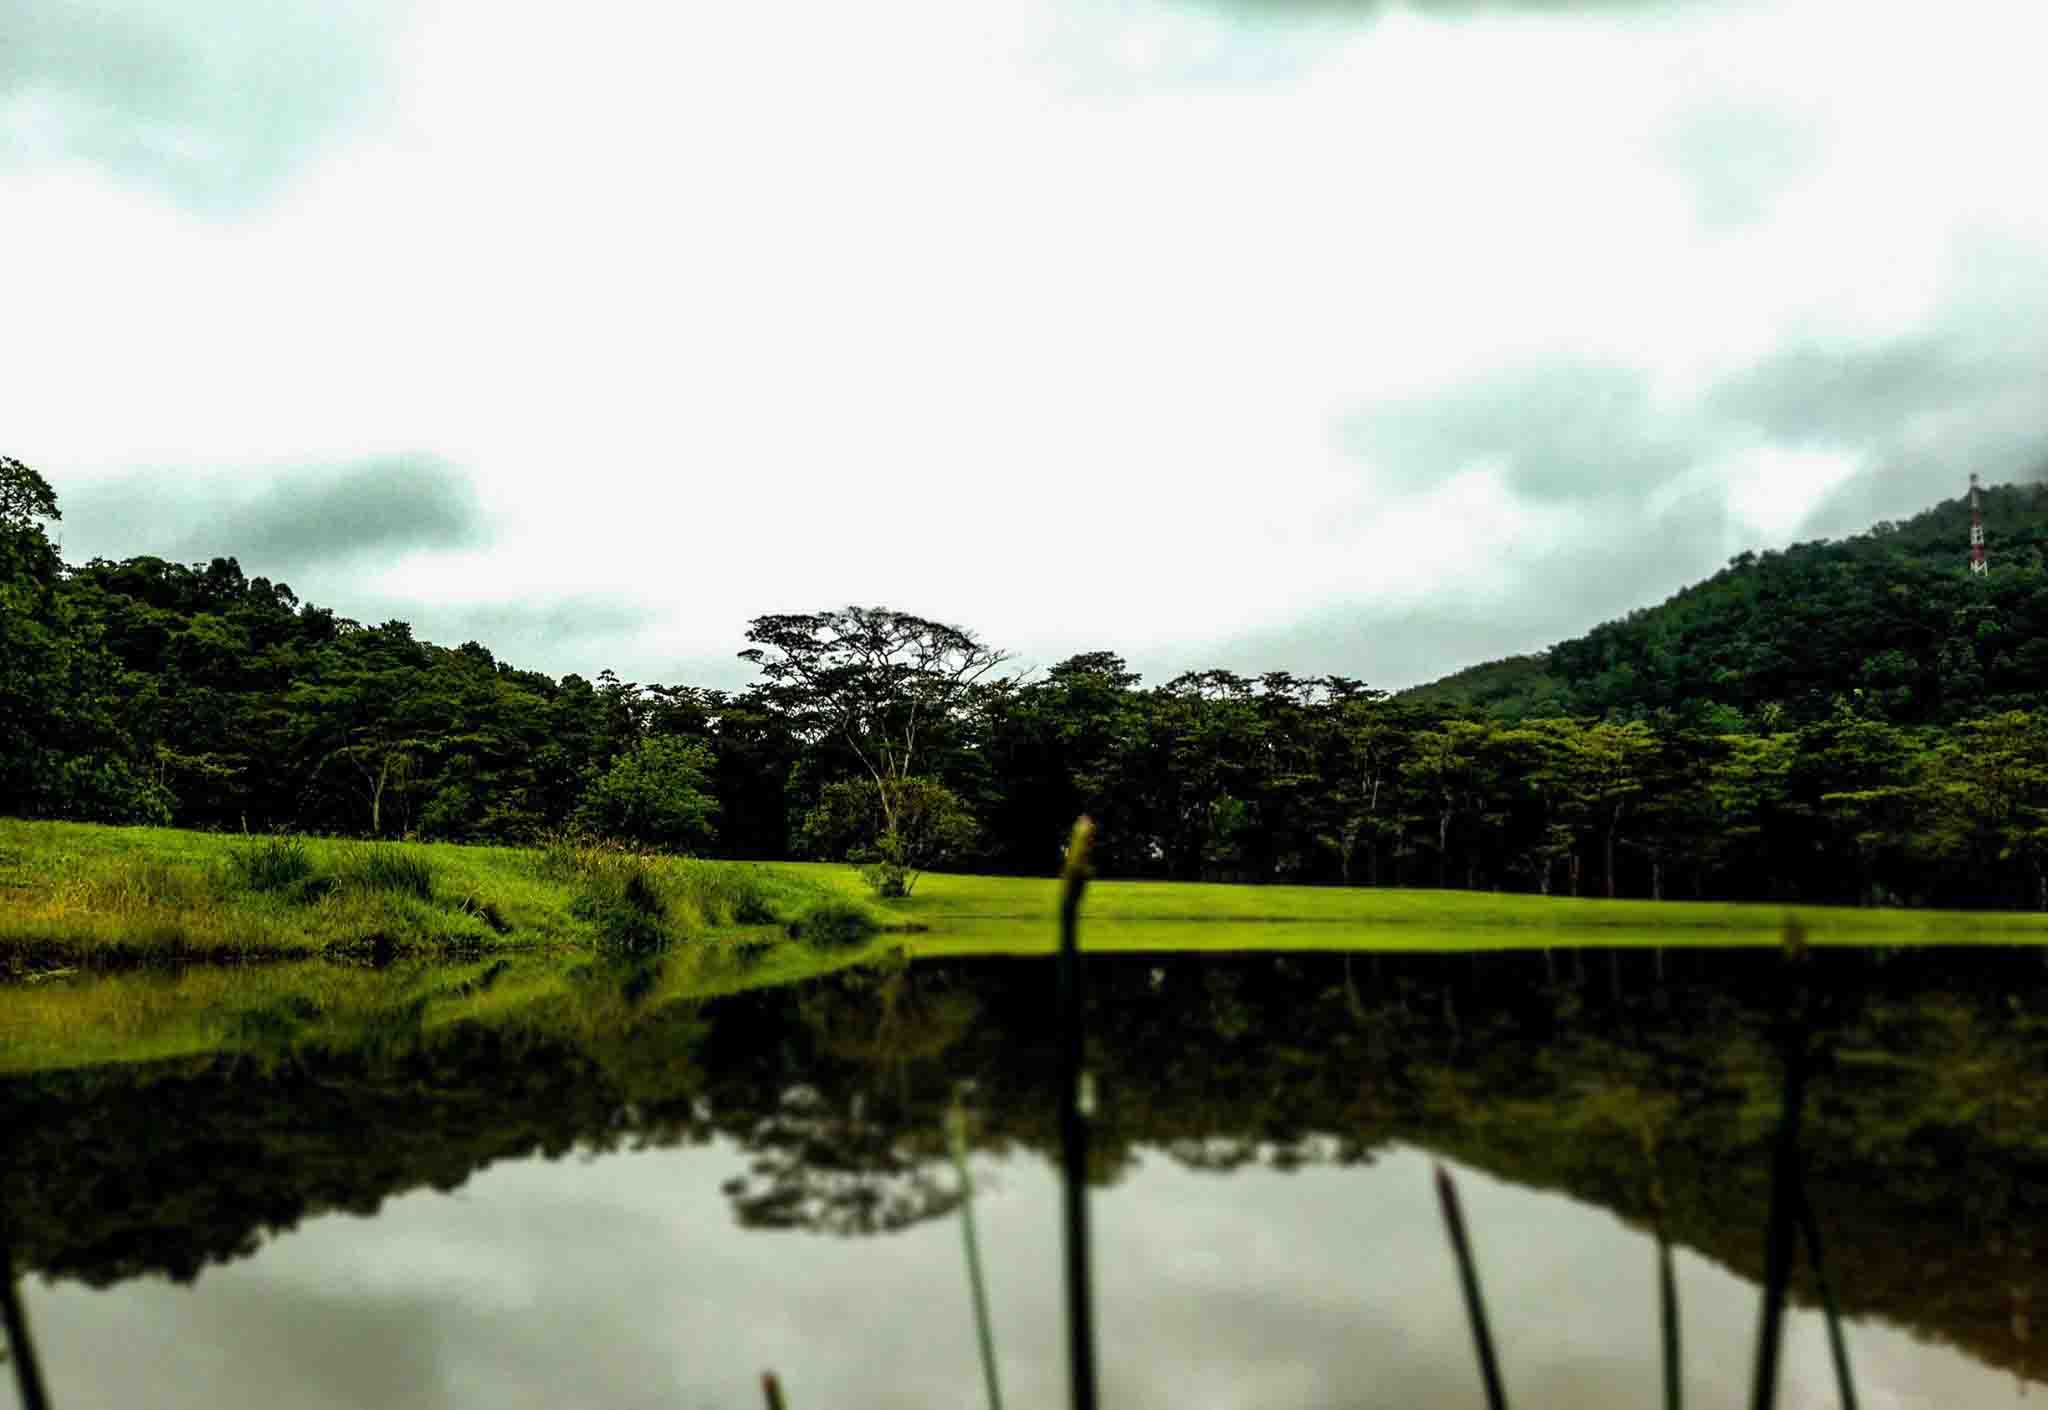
{"x": 28, "y": 1373}
{"x": 956, "y": 1131}
{"x": 1075, "y": 1108}
{"x": 1475, "y": 1301}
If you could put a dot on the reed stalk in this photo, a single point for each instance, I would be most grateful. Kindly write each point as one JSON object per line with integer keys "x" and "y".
{"x": 1475, "y": 1301}
{"x": 1838, "y": 1347}
{"x": 1076, "y": 1105}
{"x": 1781, "y": 1234}
{"x": 1667, "y": 1302}
{"x": 956, "y": 1131}
{"x": 21, "y": 1350}
{"x": 1667, "y": 1280}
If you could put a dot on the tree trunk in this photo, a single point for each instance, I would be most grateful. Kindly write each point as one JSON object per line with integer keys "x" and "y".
{"x": 1657, "y": 886}
{"x": 1443, "y": 849}
{"x": 1610, "y": 863}
{"x": 1574, "y": 870}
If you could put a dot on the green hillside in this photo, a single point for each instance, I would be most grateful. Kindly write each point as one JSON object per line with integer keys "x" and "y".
{"x": 1891, "y": 616}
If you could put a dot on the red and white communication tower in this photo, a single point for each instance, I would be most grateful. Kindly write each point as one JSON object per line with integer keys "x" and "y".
{"x": 1976, "y": 530}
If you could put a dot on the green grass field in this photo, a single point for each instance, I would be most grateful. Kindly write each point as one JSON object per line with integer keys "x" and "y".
{"x": 1012, "y": 915}
{"x": 78, "y": 893}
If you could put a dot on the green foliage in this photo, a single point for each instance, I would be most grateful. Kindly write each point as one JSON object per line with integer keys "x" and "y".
{"x": 109, "y": 789}
{"x": 722, "y": 894}
{"x": 656, "y": 795}
{"x": 25, "y": 497}
{"x": 71, "y": 891}
{"x": 389, "y": 868}
{"x": 626, "y": 906}
{"x": 485, "y": 911}
{"x": 275, "y": 864}
{"x": 892, "y": 831}
{"x": 643, "y": 901}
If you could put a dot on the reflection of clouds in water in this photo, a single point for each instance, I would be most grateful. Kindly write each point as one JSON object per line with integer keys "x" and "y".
{"x": 625, "y": 1283}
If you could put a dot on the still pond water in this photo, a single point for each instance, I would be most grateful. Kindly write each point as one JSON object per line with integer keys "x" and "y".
{"x": 649, "y": 1212}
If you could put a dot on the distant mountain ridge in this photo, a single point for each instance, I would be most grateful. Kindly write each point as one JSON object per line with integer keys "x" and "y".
{"x": 1890, "y": 616}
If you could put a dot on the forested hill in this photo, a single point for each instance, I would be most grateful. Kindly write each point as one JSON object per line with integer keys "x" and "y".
{"x": 1890, "y": 617}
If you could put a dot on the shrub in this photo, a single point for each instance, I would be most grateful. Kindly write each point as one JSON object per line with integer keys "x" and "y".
{"x": 274, "y": 864}
{"x": 391, "y": 869}
{"x": 835, "y": 923}
{"x": 626, "y": 905}
{"x": 891, "y": 831}
{"x": 485, "y": 911}
{"x": 723, "y": 894}
{"x": 97, "y": 788}
{"x": 657, "y": 794}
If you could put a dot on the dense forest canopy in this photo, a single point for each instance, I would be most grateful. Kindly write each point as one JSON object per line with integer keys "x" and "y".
{"x": 1852, "y": 720}
{"x": 1889, "y": 616}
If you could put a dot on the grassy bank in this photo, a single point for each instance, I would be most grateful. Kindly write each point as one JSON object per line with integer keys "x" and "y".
{"x": 77, "y": 893}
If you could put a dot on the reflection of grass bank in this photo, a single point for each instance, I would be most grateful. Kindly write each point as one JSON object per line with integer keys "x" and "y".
{"x": 273, "y": 1012}
{"x": 76, "y": 893}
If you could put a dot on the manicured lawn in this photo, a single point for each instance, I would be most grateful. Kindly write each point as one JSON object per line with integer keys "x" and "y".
{"x": 988, "y": 914}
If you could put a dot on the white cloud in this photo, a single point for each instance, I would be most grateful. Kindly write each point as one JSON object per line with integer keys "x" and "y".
{"x": 1036, "y": 318}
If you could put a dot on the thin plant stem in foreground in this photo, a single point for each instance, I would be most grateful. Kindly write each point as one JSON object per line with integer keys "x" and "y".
{"x": 1667, "y": 1281}
{"x": 1781, "y": 1235}
{"x": 28, "y": 1375}
{"x": 1838, "y": 1347}
{"x": 956, "y": 1131}
{"x": 1475, "y": 1302}
{"x": 1075, "y": 1107}
{"x": 1667, "y": 1302}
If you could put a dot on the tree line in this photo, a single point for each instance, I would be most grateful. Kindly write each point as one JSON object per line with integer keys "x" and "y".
{"x": 147, "y": 690}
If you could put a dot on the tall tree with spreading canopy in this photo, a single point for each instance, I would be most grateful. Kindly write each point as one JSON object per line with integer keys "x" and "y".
{"x": 885, "y": 683}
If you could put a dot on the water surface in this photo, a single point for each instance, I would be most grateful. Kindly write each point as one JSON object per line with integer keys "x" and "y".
{"x": 647, "y": 1203}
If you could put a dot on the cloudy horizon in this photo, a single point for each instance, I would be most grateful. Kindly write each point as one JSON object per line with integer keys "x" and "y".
{"x": 1315, "y": 335}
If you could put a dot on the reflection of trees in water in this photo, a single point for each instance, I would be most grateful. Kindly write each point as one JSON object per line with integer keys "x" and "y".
{"x": 831, "y": 1170}
{"x": 1925, "y": 1151}
{"x": 861, "y": 1161}
{"x": 1224, "y": 1154}
{"x": 886, "y": 1020}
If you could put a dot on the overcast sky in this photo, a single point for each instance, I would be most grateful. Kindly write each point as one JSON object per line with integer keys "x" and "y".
{"x": 1278, "y": 334}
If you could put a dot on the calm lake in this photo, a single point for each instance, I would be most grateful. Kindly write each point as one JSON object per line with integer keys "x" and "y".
{"x": 615, "y": 1200}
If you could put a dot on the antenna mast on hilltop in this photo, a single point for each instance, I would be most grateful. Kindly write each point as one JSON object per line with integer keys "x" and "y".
{"x": 1977, "y": 567}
